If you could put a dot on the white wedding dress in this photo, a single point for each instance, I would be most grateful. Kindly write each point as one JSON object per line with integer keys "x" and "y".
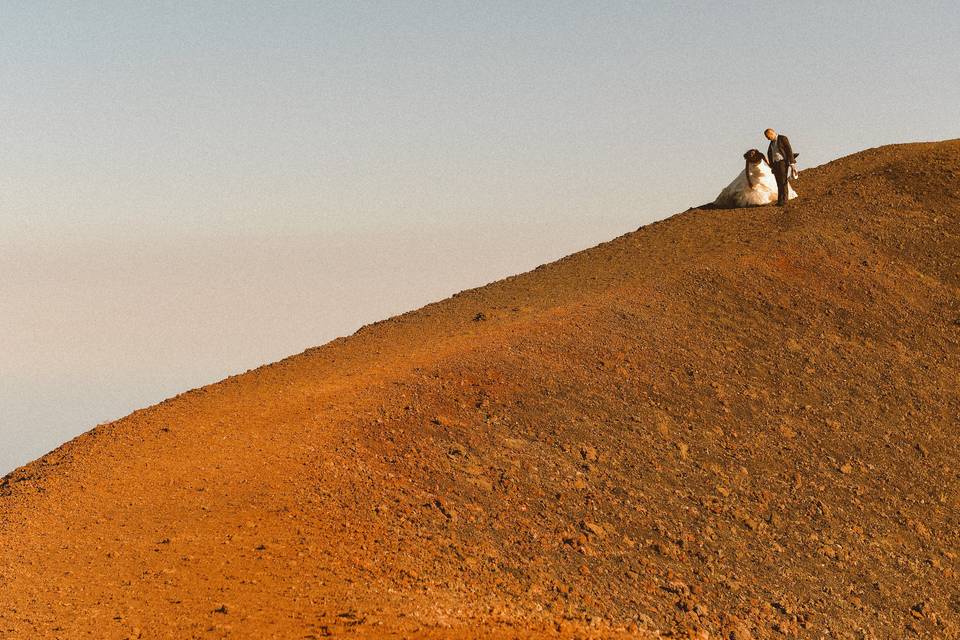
{"x": 764, "y": 190}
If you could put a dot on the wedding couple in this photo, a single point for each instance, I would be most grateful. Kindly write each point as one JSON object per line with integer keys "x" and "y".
{"x": 765, "y": 179}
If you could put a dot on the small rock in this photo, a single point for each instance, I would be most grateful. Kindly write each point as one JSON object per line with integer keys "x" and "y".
{"x": 787, "y": 432}
{"x": 741, "y": 632}
{"x": 663, "y": 424}
{"x": 677, "y": 587}
{"x": 482, "y": 483}
{"x": 517, "y": 444}
{"x": 828, "y": 552}
{"x": 645, "y": 621}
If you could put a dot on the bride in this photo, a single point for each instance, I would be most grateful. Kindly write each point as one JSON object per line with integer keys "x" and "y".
{"x": 756, "y": 185}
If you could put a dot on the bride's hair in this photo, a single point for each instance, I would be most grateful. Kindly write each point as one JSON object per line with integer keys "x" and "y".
{"x": 752, "y": 157}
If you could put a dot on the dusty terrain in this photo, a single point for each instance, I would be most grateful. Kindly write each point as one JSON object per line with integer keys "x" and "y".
{"x": 730, "y": 424}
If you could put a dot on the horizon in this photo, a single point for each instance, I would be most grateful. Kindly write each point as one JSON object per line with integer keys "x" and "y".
{"x": 195, "y": 192}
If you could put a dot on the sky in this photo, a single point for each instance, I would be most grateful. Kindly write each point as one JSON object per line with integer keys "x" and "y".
{"x": 191, "y": 190}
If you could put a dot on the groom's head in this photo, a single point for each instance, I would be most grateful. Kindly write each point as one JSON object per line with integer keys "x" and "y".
{"x": 770, "y": 134}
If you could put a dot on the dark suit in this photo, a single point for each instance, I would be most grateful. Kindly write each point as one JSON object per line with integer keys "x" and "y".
{"x": 780, "y": 167}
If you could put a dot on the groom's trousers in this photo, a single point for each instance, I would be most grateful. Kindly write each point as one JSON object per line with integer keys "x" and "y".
{"x": 783, "y": 189}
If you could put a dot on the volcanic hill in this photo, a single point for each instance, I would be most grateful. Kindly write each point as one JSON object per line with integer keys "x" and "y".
{"x": 730, "y": 424}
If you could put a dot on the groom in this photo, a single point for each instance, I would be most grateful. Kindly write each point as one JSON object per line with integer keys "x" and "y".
{"x": 780, "y": 156}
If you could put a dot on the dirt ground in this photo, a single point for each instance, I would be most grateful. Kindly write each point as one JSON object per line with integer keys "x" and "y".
{"x": 730, "y": 424}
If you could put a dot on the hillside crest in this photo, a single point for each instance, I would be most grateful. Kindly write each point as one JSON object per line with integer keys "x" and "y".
{"x": 737, "y": 422}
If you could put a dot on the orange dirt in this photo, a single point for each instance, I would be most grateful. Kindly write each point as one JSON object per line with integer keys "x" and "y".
{"x": 733, "y": 423}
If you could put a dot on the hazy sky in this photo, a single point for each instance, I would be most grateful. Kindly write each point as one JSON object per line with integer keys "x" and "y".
{"x": 192, "y": 189}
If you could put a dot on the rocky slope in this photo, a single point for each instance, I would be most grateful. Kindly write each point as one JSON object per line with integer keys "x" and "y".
{"x": 733, "y": 423}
